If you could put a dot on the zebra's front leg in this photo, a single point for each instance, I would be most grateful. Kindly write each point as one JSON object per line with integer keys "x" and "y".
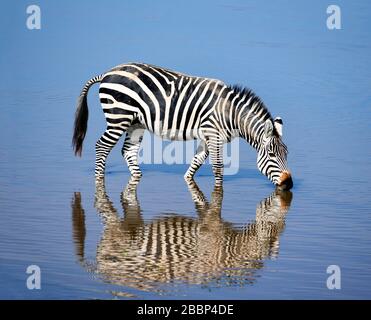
{"x": 130, "y": 149}
{"x": 197, "y": 161}
{"x": 215, "y": 147}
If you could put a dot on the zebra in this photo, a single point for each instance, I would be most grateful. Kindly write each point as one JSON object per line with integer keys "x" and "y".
{"x": 205, "y": 249}
{"x": 136, "y": 97}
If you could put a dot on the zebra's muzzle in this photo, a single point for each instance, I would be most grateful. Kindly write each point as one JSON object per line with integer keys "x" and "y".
{"x": 285, "y": 181}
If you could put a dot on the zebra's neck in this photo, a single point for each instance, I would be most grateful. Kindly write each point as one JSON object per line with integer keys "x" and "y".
{"x": 246, "y": 114}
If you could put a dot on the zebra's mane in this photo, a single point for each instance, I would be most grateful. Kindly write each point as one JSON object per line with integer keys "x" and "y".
{"x": 247, "y": 94}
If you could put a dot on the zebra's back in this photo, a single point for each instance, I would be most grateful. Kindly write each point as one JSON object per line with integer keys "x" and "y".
{"x": 170, "y": 104}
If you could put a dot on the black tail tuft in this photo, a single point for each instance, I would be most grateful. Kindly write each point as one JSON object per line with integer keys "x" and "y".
{"x": 82, "y": 115}
{"x": 81, "y": 123}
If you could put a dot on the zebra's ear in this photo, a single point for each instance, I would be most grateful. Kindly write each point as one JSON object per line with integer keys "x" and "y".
{"x": 278, "y": 125}
{"x": 268, "y": 128}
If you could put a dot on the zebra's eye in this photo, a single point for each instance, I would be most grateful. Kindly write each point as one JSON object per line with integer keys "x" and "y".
{"x": 271, "y": 154}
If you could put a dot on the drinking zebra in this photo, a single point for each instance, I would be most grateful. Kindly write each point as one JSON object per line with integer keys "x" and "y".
{"x": 172, "y": 247}
{"x": 136, "y": 97}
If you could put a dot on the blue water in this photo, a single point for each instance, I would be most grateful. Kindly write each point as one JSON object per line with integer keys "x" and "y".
{"x": 318, "y": 80}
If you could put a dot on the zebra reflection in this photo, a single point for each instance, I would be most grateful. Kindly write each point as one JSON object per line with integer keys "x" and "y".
{"x": 203, "y": 250}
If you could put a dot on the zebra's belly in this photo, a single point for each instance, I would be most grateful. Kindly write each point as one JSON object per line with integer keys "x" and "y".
{"x": 174, "y": 134}
{"x": 178, "y": 135}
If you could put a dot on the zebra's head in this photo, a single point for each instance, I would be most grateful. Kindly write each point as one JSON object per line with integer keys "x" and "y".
{"x": 272, "y": 155}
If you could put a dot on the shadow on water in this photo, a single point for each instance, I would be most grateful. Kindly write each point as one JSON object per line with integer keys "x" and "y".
{"x": 204, "y": 250}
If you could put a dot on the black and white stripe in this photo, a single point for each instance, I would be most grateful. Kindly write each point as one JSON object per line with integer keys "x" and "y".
{"x": 136, "y": 97}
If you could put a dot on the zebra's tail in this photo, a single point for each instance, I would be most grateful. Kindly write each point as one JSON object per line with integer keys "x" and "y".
{"x": 82, "y": 115}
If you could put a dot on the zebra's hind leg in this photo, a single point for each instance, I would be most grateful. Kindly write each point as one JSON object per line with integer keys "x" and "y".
{"x": 103, "y": 147}
{"x": 131, "y": 147}
{"x": 197, "y": 161}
